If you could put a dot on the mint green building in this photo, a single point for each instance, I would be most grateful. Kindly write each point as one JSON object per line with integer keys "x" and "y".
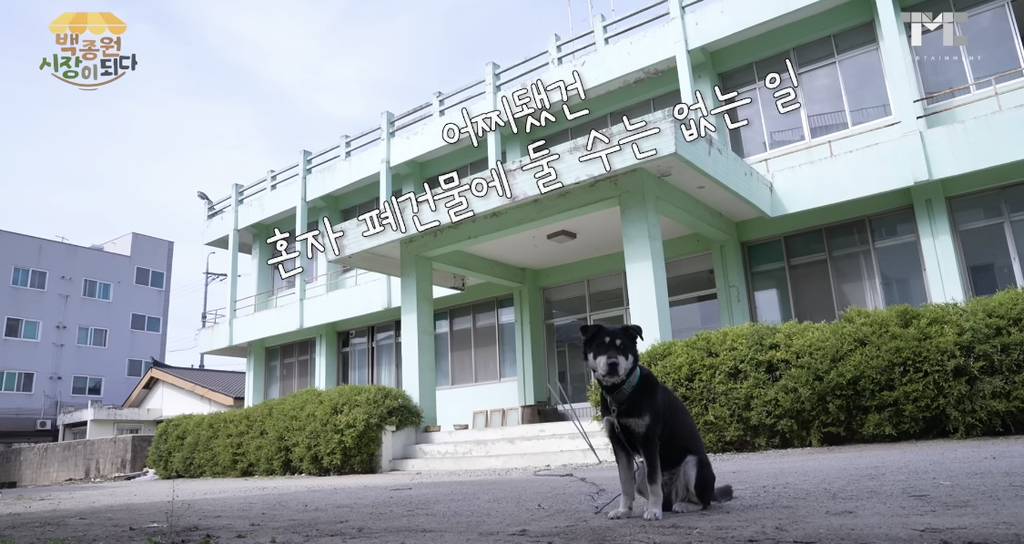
{"x": 896, "y": 181}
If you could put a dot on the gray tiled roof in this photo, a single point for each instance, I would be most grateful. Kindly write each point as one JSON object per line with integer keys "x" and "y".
{"x": 227, "y": 382}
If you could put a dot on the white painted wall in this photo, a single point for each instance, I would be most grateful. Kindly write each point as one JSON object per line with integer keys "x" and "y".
{"x": 456, "y": 404}
{"x": 173, "y": 401}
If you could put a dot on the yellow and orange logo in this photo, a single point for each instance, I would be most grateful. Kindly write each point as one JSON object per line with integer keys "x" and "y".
{"x": 90, "y": 50}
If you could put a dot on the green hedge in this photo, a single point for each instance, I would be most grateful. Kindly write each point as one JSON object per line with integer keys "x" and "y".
{"x": 896, "y": 374}
{"x": 311, "y": 432}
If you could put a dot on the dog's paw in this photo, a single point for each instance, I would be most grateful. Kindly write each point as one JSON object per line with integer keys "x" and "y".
{"x": 685, "y": 507}
{"x": 652, "y": 514}
{"x": 620, "y": 513}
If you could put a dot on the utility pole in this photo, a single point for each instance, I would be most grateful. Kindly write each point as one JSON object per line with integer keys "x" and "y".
{"x": 208, "y": 278}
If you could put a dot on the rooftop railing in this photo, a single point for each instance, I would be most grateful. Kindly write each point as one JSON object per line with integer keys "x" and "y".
{"x": 602, "y": 33}
{"x": 976, "y": 87}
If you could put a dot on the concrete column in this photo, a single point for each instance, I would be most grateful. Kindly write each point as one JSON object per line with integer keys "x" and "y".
{"x": 684, "y": 69}
{"x": 419, "y": 375}
{"x": 645, "y": 264}
{"x": 897, "y": 63}
{"x": 938, "y": 245}
{"x": 598, "y": 25}
{"x": 531, "y": 363}
{"x": 233, "y": 245}
{"x": 326, "y": 358}
{"x": 704, "y": 80}
{"x": 255, "y": 374}
{"x": 301, "y": 219}
{"x": 387, "y": 121}
{"x": 491, "y": 90}
{"x": 731, "y": 282}
{"x": 263, "y": 273}
{"x": 554, "y": 50}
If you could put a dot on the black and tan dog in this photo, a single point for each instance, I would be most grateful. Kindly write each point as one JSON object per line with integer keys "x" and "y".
{"x": 644, "y": 418}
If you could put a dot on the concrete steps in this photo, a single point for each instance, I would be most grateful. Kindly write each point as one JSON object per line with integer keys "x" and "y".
{"x": 539, "y": 445}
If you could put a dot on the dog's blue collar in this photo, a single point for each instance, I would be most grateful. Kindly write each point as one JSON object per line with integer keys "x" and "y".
{"x": 622, "y": 393}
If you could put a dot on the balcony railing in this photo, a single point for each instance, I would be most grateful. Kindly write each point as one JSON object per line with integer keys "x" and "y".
{"x": 977, "y": 87}
{"x": 603, "y": 33}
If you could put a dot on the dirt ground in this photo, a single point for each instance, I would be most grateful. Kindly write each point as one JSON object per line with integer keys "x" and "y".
{"x": 936, "y": 491}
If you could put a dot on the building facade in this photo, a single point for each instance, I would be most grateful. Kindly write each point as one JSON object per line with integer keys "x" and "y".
{"x": 80, "y": 325}
{"x": 897, "y": 180}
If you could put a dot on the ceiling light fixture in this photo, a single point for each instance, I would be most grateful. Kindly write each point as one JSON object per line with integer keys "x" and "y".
{"x": 562, "y": 236}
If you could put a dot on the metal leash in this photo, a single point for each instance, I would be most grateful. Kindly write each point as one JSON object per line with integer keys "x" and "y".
{"x": 574, "y": 418}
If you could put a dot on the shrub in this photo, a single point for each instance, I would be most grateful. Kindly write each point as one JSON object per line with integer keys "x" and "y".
{"x": 311, "y": 432}
{"x": 873, "y": 375}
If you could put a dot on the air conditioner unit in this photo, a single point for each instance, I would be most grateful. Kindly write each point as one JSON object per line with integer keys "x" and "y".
{"x": 43, "y": 424}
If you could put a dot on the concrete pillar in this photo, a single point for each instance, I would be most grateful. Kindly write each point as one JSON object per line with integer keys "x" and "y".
{"x": 419, "y": 375}
{"x": 897, "y": 63}
{"x": 387, "y": 122}
{"x": 301, "y": 219}
{"x": 531, "y": 363}
{"x": 598, "y": 25}
{"x": 233, "y": 246}
{"x": 326, "y": 358}
{"x": 491, "y": 90}
{"x": 255, "y": 374}
{"x": 554, "y": 50}
{"x": 731, "y": 282}
{"x": 938, "y": 245}
{"x": 677, "y": 25}
{"x": 645, "y": 264}
{"x": 263, "y": 273}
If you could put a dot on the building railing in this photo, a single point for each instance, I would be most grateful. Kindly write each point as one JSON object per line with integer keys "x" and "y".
{"x": 602, "y": 33}
{"x": 976, "y": 87}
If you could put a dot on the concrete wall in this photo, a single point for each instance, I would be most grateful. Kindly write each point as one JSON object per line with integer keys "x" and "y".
{"x": 81, "y": 459}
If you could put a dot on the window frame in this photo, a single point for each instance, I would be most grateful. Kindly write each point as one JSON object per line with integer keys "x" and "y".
{"x": 23, "y": 372}
{"x": 145, "y": 368}
{"x": 494, "y": 301}
{"x": 145, "y": 328}
{"x": 872, "y": 245}
{"x": 87, "y": 378}
{"x": 92, "y": 336}
{"x": 110, "y": 286}
{"x": 149, "y": 277}
{"x": 972, "y": 89}
{"x": 46, "y": 280}
{"x": 21, "y": 329}
{"x": 805, "y": 124}
{"x": 1007, "y": 223}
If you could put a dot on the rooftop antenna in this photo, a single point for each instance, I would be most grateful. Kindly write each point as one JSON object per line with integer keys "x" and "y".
{"x": 62, "y": 239}
{"x": 569, "y": 4}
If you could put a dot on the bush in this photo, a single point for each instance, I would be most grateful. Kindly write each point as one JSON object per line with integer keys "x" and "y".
{"x": 311, "y": 432}
{"x": 873, "y": 375}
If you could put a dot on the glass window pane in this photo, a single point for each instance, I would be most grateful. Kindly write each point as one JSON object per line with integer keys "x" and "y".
{"x": 12, "y": 328}
{"x": 809, "y": 276}
{"x": 1014, "y": 198}
{"x": 606, "y": 293}
{"x": 864, "y": 83}
{"x": 462, "y": 346}
{"x": 441, "y": 348}
{"x": 987, "y": 259}
{"x": 807, "y": 244}
{"x": 19, "y": 277}
{"x": 990, "y": 45}
{"x": 940, "y": 67}
{"x": 977, "y": 209}
{"x": 768, "y": 282}
{"x": 89, "y": 289}
{"x": 814, "y": 52}
{"x": 632, "y": 112}
{"x": 853, "y": 269}
{"x": 855, "y": 37}
{"x": 823, "y": 100}
{"x": 135, "y": 368}
{"x": 156, "y": 279}
{"x": 141, "y": 276}
{"x": 30, "y": 330}
{"x": 565, "y": 358}
{"x": 104, "y": 291}
{"x": 902, "y": 276}
{"x": 95, "y": 386}
{"x": 893, "y": 226}
{"x": 596, "y": 122}
{"x": 359, "y": 357}
{"x": 748, "y": 140}
{"x": 692, "y": 315}
{"x": 83, "y": 336}
{"x": 138, "y": 322}
{"x": 666, "y": 101}
{"x": 690, "y": 275}
{"x": 485, "y": 342}
{"x": 782, "y": 128}
{"x": 153, "y": 324}
{"x": 99, "y": 338}
{"x": 37, "y": 280}
{"x": 384, "y": 355}
{"x": 79, "y": 385}
{"x": 10, "y": 381}
{"x": 507, "y": 338}
{"x": 27, "y": 382}
{"x": 1018, "y": 237}
{"x": 736, "y": 79}
{"x": 564, "y": 301}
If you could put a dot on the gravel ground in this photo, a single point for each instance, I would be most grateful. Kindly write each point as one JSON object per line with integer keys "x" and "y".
{"x": 935, "y": 491}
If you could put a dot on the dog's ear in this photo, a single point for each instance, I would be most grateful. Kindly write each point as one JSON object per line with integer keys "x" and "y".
{"x": 587, "y": 330}
{"x": 635, "y": 331}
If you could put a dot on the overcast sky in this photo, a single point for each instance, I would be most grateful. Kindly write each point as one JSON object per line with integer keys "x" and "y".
{"x": 223, "y": 92}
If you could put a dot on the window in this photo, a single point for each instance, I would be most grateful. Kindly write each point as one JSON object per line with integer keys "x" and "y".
{"x": 354, "y": 211}
{"x": 92, "y": 336}
{"x": 145, "y": 323}
{"x": 476, "y": 343}
{"x": 290, "y": 368}
{"x": 371, "y": 355}
{"x": 993, "y": 49}
{"x": 29, "y": 278}
{"x": 78, "y": 433}
{"x": 692, "y": 297}
{"x": 818, "y": 274}
{"x": 99, "y": 290}
{"x": 840, "y": 84}
{"x": 149, "y": 277}
{"x": 138, "y": 367}
{"x": 87, "y": 386}
{"x": 127, "y": 428}
{"x": 602, "y": 123}
{"x": 21, "y": 329}
{"x": 15, "y": 381}
{"x": 466, "y": 171}
{"x": 990, "y": 232}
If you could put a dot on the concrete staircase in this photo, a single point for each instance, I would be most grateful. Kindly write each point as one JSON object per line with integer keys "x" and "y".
{"x": 535, "y": 445}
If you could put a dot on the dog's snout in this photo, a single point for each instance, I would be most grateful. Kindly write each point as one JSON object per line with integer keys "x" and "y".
{"x": 613, "y": 366}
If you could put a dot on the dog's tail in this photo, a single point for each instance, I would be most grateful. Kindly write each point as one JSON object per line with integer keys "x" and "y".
{"x": 723, "y": 493}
